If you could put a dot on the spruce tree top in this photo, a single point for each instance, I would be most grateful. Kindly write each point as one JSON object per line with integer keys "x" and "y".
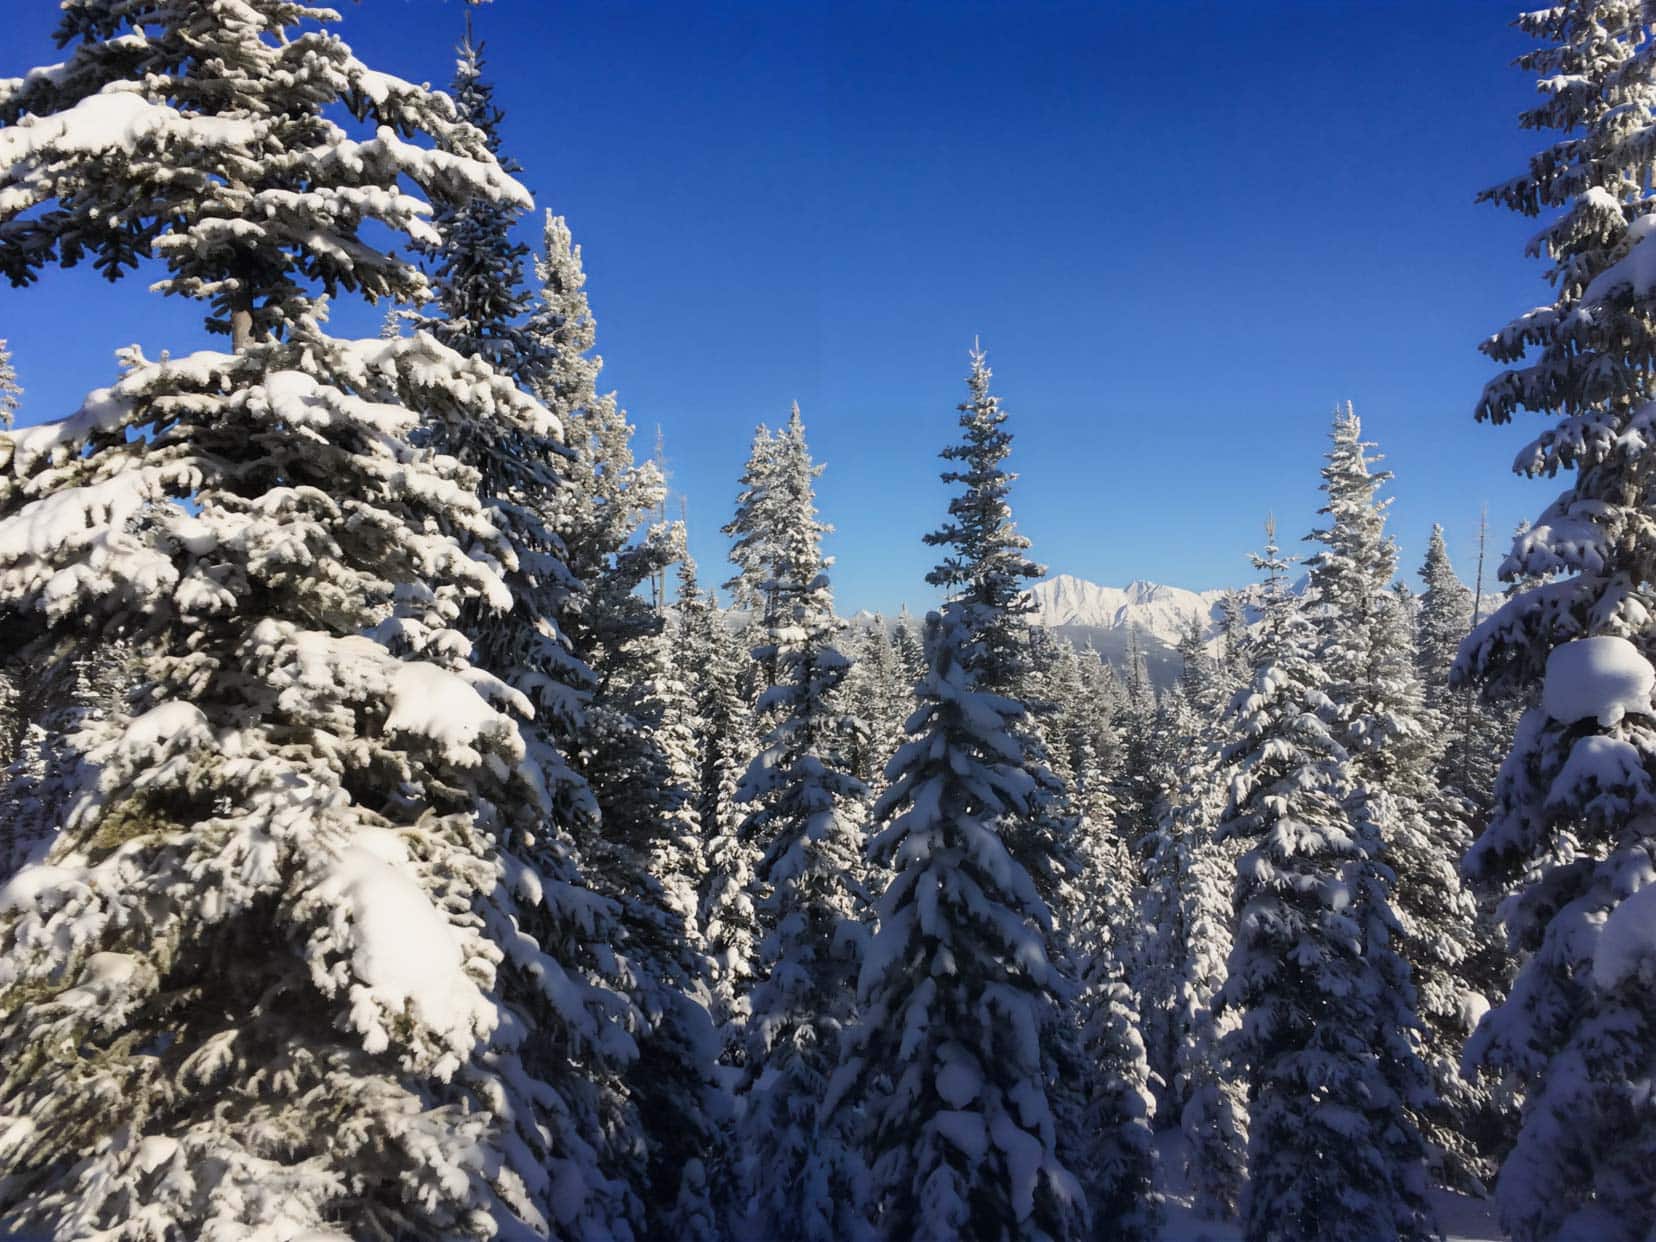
{"x": 985, "y": 568}
{"x": 1590, "y": 356}
{"x": 1445, "y": 615}
{"x": 480, "y": 293}
{"x": 198, "y": 132}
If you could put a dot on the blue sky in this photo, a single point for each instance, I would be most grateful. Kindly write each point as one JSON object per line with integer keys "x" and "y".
{"x": 1184, "y": 231}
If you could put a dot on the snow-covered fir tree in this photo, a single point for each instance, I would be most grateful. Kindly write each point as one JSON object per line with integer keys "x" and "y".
{"x": 986, "y": 569}
{"x": 1326, "y": 1041}
{"x": 1185, "y": 898}
{"x": 480, "y": 300}
{"x": 1472, "y": 735}
{"x": 879, "y": 694}
{"x": 677, "y": 860}
{"x": 613, "y": 544}
{"x": 1110, "y": 1106}
{"x": 630, "y": 743}
{"x": 1444, "y": 620}
{"x": 1211, "y": 1103}
{"x": 951, "y": 1063}
{"x": 1140, "y": 792}
{"x": 985, "y": 566}
{"x": 631, "y": 727}
{"x": 1366, "y": 656}
{"x": 309, "y": 954}
{"x": 1571, "y": 838}
{"x": 979, "y": 1114}
{"x": 710, "y": 648}
{"x": 1233, "y": 630}
{"x": 804, "y": 1171}
{"x": 61, "y": 698}
{"x": 1475, "y": 730}
{"x": 751, "y": 530}
{"x": 906, "y": 641}
{"x": 11, "y": 393}
{"x": 727, "y": 901}
{"x": 1170, "y": 742}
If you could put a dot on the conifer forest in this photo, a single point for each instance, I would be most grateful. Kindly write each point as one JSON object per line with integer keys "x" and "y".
{"x": 402, "y": 838}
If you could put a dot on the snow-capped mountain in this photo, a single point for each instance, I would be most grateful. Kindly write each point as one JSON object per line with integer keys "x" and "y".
{"x": 1157, "y": 612}
{"x": 1106, "y": 619}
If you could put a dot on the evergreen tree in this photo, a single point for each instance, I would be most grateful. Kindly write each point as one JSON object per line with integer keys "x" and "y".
{"x": 1475, "y": 731}
{"x": 1570, "y": 840}
{"x": 709, "y": 646}
{"x": 1365, "y": 651}
{"x": 1139, "y": 794}
{"x": 1185, "y": 900}
{"x": 11, "y": 394}
{"x": 1233, "y": 626}
{"x": 879, "y": 693}
{"x": 1162, "y": 942}
{"x": 629, "y": 726}
{"x": 59, "y": 702}
{"x": 951, "y": 1062}
{"x": 985, "y": 569}
{"x": 1326, "y": 1037}
{"x": 633, "y": 740}
{"x": 752, "y": 531}
{"x": 979, "y": 1113}
{"x": 804, "y": 1175}
{"x": 906, "y": 640}
{"x": 1445, "y": 619}
{"x": 307, "y": 951}
{"x": 678, "y": 863}
{"x": 1188, "y": 874}
{"x": 478, "y": 285}
{"x": 1116, "y": 1106}
{"x": 727, "y": 903}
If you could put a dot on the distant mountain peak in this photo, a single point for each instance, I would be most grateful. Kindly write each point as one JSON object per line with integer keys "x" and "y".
{"x": 1154, "y": 609}
{"x": 1109, "y": 619}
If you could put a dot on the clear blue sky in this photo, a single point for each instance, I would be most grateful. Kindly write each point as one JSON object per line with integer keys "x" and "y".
{"x": 1184, "y": 232}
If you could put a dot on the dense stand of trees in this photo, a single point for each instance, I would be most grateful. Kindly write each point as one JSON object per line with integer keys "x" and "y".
{"x": 387, "y": 857}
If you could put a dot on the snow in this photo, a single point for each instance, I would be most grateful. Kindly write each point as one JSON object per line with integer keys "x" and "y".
{"x": 1473, "y": 1006}
{"x": 404, "y": 954}
{"x": 1635, "y": 271}
{"x": 959, "y": 1082}
{"x": 1628, "y": 940}
{"x": 1600, "y": 678}
{"x": 117, "y": 118}
{"x": 1023, "y": 1158}
{"x": 160, "y": 725}
{"x": 1462, "y": 1218}
{"x": 1162, "y": 612}
{"x": 446, "y": 708}
{"x": 964, "y": 1131}
{"x": 1597, "y": 765}
{"x": 154, "y": 1151}
{"x": 27, "y": 886}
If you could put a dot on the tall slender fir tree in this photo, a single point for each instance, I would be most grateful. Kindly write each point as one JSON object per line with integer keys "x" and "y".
{"x": 1571, "y": 838}
{"x": 804, "y": 1170}
{"x": 1366, "y": 655}
{"x": 11, "y": 393}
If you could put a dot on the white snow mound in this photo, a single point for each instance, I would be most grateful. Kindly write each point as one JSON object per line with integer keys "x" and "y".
{"x": 1600, "y": 678}
{"x": 406, "y": 954}
{"x": 1628, "y": 939}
